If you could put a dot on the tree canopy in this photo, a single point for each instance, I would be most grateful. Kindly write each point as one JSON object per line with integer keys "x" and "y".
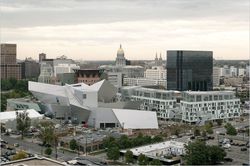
{"x": 73, "y": 144}
{"x": 129, "y": 156}
{"x": 23, "y": 122}
{"x": 198, "y": 153}
{"x": 47, "y": 132}
{"x": 143, "y": 160}
{"x": 230, "y": 129}
{"x": 113, "y": 153}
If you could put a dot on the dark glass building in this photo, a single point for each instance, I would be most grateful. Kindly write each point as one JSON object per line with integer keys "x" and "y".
{"x": 190, "y": 70}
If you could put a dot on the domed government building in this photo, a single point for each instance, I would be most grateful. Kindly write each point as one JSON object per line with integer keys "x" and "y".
{"x": 120, "y": 59}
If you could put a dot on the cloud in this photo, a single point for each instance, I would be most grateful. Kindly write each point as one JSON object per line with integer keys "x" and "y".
{"x": 70, "y": 12}
{"x": 95, "y": 28}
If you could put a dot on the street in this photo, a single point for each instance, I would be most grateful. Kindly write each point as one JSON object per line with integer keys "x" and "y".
{"x": 36, "y": 149}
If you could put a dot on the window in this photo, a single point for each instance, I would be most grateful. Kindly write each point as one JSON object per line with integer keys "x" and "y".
{"x": 198, "y": 98}
{"x": 84, "y": 96}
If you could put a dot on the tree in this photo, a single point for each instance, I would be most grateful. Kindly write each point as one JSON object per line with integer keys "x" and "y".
{"x": 204, "y": 133}
{"x": 3, "y": 129}
{"x": 230, "y": 129}
{"x": 198, "y": 153}
{"x": 219, "y": 122}
{"x": 142, "y": 159}
{"x": 208, "y": 128}
{"x": 109, "y": 142}
{"x": 129, "y": 156}
{"x": 124, "y": 142}
{"x": 247, "y": 132}
{"x": 197, "y": 132}
{"x": 20, "y": 155}
{"x": 48, "y": 151}
{"x": 47, "y": 132}
{"x": 113, "y": 153}
{"x": 216, "y": 154}
{"x": 155, "y": 162}
{"x": 22, "y": 122}
{"x": 157, "y": 138}
{"x": 73, "y": 144}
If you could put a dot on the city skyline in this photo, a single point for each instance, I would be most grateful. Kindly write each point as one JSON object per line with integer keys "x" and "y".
{"x": 93, "y": 30}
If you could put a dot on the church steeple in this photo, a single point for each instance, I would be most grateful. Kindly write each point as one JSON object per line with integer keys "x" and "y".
{"x": 156, "y": 57}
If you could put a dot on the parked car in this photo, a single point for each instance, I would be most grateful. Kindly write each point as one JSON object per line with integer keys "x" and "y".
{"x": 228, "y": 159}
{"x": 16, "y": 145}
{"x": 243, "y": 149}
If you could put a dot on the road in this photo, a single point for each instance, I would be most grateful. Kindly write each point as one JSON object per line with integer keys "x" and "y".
{"x": 34, "y": 148}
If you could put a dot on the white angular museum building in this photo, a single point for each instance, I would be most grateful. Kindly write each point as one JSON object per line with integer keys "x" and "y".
{"x": 94, "y": 105}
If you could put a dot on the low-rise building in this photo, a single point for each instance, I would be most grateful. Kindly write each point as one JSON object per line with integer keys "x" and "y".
{"x": 115, "y": 78}
{"x": 161, "y": 101}
{"x": 143, "y": 82}
{"x": 22, "y": 104}
{"x": 198, "y": 107}
{"x": 160, "y": 151}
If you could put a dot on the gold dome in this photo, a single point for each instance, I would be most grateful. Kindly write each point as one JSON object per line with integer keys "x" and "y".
{"x": 120, "y": 51}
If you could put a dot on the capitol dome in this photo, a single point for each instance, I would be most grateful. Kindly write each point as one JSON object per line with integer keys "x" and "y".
{"x": 120, "y": 51}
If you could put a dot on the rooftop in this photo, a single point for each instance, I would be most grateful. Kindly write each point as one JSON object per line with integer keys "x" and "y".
{"x": 207, "y": 92}
{"x": 162, "y": 145}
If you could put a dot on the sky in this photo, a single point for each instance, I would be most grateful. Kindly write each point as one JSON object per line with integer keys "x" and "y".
{"x": 94, "y": 29}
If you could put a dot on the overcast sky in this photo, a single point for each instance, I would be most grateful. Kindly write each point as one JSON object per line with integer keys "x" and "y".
{"x": 94, "y": 29}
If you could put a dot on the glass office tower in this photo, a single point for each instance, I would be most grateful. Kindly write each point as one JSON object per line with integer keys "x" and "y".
{"x": 190, "y": 70}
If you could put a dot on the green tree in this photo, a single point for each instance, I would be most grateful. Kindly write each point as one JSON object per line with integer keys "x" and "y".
{"x": 124, "y": 142}
{"x": 113, "y": 153}
{"x": 3, "y": 129}
{"x": 247, "y": 131}
{"x": 48, "y": 151}
{"x": 20, "y": 155}
{"x": 143, "y": 160}
{"x": 155, "y": 162}
{"x": 47, "y": 132}
{"x": 216, "y": 154}
{"x": 129, "y": 156}
{"x": 209, "y": 128}
{"x": 22, "y": 122}
{"x": 73, "y": 144}
{"x": 204, "y": 133}
{"x": 198, "y": 153}
{"x": 230, "y": 129}
{"x": 219, "y": 122}
{"x": 157, "y": 138}
{"x": 197, "y": 132}
{"x": 109, "y": 142}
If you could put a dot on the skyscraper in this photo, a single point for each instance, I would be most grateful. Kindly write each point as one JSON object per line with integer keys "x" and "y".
{"x": 9, "y": 68}
{"x": 41, "y": 57}
{"x": 190, "y": 70}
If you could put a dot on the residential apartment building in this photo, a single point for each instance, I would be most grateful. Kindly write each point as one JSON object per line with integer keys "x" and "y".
{"x": 198, "y": 107}
{"x": 161, "y": 101}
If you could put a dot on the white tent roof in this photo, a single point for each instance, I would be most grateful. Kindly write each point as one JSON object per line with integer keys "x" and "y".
{"x": 11, "y": 115}
{"x": 136, "y": 119}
